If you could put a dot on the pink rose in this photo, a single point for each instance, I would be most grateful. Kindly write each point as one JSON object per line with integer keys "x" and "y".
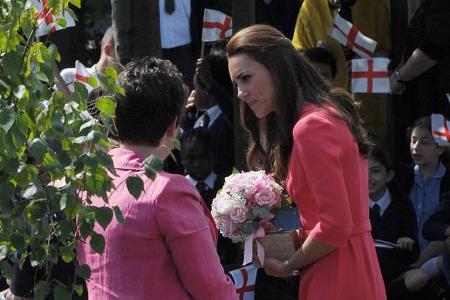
{"x": 238, "y": 214}
{"x": 266, "y": 197}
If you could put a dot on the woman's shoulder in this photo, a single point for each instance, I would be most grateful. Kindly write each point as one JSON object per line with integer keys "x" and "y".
{"x": 173, "y": 182}
{"x": 316, "y": 120}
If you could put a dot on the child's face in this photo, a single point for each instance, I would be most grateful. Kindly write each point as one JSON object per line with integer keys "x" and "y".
{"x": 198, "y": 161}
{"x": 379, "y": 176}
{"x": 424, "y": 150}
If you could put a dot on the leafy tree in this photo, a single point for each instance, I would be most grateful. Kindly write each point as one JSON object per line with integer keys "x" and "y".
{"x": 51, "y": 153}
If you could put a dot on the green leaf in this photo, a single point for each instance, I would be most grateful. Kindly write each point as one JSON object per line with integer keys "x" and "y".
{"x": 11, "y": 63}
{"x": 61, "y": 22}
{"x": 6, "y": 269}
{"x": 42, "y": 289}
{"x": 103, "y": 215}
{"x": 38, "y": 149}
{"x": 118, "y": 214}
{"x": 7, "y": 196}
{"x": 78, "y": 288}
{"x": 18, "y": 241}
{"x": 152, "y": 165}
{"x": 107, "y": 106}
{"x": 92, "y": 81}
{"x": 110, "y": 72}
{"x": 135, "y": 186}
{"x": 67, "y": 254}
{"x": 176, "y": 144}
{"x": 7, "y": 117}
{"x": 35, "y": 211}
{"x": 83, "y": 271}
{"x": 97, "y": 242}
{"x": 76, "y": 3}
{"x": 61, "y": 293}
{"x": 21, "y": 91}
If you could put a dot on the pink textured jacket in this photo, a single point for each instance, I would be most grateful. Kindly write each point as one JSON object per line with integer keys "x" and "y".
{"x": 166, "y": 247}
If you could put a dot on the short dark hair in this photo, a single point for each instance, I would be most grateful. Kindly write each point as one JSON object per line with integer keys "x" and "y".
{"x": 378, "y": 155}
{"x": 423, "y": 123}
{"x": 154, "y": 94}
{"x": 194, "y": 136}
{"x": 322, "y": 55}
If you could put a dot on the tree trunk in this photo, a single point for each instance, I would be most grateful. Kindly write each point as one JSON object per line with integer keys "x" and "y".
{"x": 136, "y": 28}
{"x": 243, "y": 14}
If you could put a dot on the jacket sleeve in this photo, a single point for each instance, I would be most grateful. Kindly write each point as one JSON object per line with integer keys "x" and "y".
{"x": 436, "y": 38}
{"x": 186, "y": 228}
{"x": 319, "y": 145}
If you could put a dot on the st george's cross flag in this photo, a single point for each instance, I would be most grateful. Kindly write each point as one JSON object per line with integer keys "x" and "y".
{"x": 440, "y": 129}
{"x": 244, "y": 280}
{"x": 47, "y": 22}
{"x": 216, "y": 26}
{"x": 82, "y": 75}
{"x": 370, "y": 75}
{"x": 348, "y": 35}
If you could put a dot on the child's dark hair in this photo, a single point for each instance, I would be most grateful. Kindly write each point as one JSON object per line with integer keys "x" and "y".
{"x": 323, "y": 56}
{"x": 424, "y": 123}
{"x": 196, "y": 135}
{"x": 378, "y": 155}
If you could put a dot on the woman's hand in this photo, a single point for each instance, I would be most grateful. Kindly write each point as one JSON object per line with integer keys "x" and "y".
{"x": 405, "y": 243}
{"x": 275, "y": 267}
{"x": 397, "y": 87}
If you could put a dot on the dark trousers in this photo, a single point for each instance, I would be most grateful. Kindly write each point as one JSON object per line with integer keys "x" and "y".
{"x": 184, "y": 58}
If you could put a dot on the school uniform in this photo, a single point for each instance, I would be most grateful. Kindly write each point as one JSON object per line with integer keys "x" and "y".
{"x": 394, "y": 219}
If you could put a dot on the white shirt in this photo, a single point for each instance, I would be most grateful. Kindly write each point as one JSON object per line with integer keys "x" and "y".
{"x": 383, "y": 203}
{"x": 210, "y": 180}
{"x": 213, "y": 113}
{"x": 175, "y": 28}
{"x": 68, "y": 75}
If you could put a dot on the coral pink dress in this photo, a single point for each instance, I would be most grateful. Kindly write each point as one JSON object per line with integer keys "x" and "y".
{"x": 328, "y": 180}
{"x": 166, "y": 247}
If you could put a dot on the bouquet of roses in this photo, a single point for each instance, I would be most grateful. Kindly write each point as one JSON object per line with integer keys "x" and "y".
{"x": 243, "y": 206}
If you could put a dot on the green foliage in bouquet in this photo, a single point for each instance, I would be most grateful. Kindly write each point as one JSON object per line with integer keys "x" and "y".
{"x": 51, "y": 152}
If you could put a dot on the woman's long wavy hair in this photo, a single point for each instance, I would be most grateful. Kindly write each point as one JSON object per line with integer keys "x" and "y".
{"x": 295, "y": 83}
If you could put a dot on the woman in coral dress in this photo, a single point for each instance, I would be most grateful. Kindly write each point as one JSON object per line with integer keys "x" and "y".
{"x": 311, "y": 139}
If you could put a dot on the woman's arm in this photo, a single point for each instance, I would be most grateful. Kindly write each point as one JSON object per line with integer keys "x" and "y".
{"x": 417, "y": 64}
{"x": 328, "y": 141}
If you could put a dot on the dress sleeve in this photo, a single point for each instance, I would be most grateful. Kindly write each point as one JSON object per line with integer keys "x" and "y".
{"x": 437, "y": 30}
{"x": 182, "y": 221}
{"x": 319, "y": 144}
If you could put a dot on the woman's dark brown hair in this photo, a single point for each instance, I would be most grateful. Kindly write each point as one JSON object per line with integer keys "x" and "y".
{"x": 295, "y": 83}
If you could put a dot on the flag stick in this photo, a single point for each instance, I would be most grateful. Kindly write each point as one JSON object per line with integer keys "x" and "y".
{"x": 202, "y": 51}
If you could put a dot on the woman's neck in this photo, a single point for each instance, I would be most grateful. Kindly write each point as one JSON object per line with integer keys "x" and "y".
{"x": 263, "y": 133}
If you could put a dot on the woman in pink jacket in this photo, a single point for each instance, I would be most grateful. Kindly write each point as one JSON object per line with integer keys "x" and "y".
{"x": 312, "y": 140}
{"x": 166, "y": 247}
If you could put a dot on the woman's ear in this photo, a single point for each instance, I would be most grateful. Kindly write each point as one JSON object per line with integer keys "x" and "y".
{"x": 390, "y": 175}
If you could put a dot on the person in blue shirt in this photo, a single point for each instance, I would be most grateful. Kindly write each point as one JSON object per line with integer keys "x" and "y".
{"x": 426, "y": 183}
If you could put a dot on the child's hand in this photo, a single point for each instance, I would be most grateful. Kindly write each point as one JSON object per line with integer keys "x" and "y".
{"x": 405, "y": 243}
{"x": 191, "y": 100}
